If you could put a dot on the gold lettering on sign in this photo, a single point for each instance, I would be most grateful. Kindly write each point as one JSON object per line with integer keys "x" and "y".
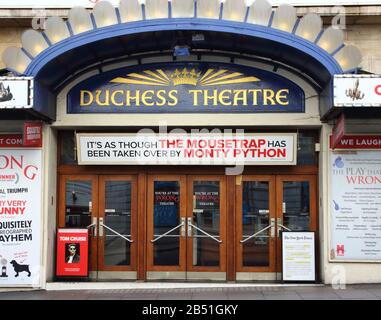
{"x": 113, "y": 101}
{"x": 135, "y": 98}
{"x": 282, "y": 97}
{"x": 268, "y": 97}
{"x": 173, "y": 96}
{"x": 147, "y": 98}
{"x": 82, "y": 99}
{"x": 106, "y": 99}
{"x": 240, "y": 95}
{"x": 207, "y": 88}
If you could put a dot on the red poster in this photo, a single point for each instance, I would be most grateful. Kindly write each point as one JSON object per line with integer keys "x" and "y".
{"x": 33, "y": 134}
{"x": 11, "y": 141}
{"x": 72, "y": 252}
{"x": 358, "y": 142}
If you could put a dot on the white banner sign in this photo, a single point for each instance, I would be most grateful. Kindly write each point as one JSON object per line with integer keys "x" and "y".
{"x": 20, "y": 217}
{"x": 186, "y": 149}
{"x": 356, "y": 205}
{"x": 91, "y": 3}
{"x": 357, "y": 91}
{"x": 298, "y": 256}
{"x": 16, "y": 92}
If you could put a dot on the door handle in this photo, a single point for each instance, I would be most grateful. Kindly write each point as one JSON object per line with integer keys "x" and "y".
{"x": 100, "y": 227}
{"x": 189, "y": 226}
{"x": 271, "y": 226}
{"x": 94, "y": 225}
{"x": 182, "y": 230}
{"x": 272, "y": 230}
{"x": 281, "y": 226}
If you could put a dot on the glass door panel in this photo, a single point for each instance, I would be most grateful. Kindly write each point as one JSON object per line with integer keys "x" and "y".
{"x": 78, "y": 208}
{"x": 206, "y": 223}
{"x": 166, "y": 224}
{"x": 78, "y": 203}
{"x": 297, "y": 206}
{"x": 117, "y": 223}
{"x": 255, "y": 224}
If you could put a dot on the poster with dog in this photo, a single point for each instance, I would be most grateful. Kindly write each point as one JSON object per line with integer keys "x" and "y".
{"x": 20, "y": 217}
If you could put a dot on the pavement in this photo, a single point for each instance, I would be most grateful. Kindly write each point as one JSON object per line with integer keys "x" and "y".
{"x": 228, "y": 292}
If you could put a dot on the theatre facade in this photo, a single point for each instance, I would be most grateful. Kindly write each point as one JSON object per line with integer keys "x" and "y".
{"x": 184, "y": 140}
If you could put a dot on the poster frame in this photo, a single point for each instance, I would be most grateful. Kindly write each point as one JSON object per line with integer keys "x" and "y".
{"x": 329, "y": 220}
{"x": 71, "y": 277}
{"x": 282, "y": 255}
{"x": 42, "y": 235}
{"x": 294, "y": 136}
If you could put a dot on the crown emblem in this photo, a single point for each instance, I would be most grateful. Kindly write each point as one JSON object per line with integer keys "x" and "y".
{"x": 185, "y": 77}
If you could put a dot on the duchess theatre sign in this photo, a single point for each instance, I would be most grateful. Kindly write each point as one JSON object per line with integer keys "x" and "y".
{"x": 186, "y": 88}
{"x": 186, "y": 149}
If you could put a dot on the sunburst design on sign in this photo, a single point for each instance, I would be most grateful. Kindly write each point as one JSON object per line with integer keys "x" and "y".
{"x": 211, "y": 77}
{"x": 147, "y": 77}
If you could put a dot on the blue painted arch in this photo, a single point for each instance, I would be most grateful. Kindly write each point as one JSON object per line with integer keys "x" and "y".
{"x": 63, "y": 60}
{"x": 276, "y": 38}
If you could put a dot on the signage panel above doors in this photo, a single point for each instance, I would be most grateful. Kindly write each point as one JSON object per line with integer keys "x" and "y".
{"x": 186, "y": 149}
{"x": 193, "y": 87}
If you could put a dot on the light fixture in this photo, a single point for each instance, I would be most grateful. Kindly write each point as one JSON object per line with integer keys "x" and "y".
{"x": 348, "y": 57}
{"x": 234, "y": 10}
{"x": 182, "y": 8}
{"x": 198, "y": 37}
{"x": 15, "y": 59}
{"x": 56, "y": 29}
{"x": 209, "y": 9}
{"x": 331, "y": 39}
{"x": 156, "y": 9}
{"x": 181, "y": 51}
{"x": 104, "y": 14}
{"x": 309, "y": 27}
{"x": 79, "y": 20}
{"x": 130, "y": 10}
{"x": 284, "y": 18}
{"x": 33, "y": 42}
{"x": 260, "y": 13}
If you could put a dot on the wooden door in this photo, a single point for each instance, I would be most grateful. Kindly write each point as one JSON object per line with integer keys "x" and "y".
{"x": 78, "y": 208}
{"x": 255, "y": 221}
{"x": 206, "y": 225}
{"x": 117, "y": 248}
{"x": 296, "y": 206}
{"x": 166, "y": 223}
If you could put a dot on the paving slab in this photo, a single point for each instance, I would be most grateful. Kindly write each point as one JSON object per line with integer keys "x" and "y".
{"x": 355, "y": 294}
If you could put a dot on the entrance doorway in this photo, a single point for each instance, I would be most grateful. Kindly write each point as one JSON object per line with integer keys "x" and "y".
{"x": 186, "y": 227}
{"x": 180, "y": 229}
{"x": 267, "y": 205}
{"x": 107, "y": 206}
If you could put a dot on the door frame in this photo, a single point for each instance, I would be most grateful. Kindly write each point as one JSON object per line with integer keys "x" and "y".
{"x": 223, "y": 219}
{"x": 238, "y": 214}
{"x": 134, "y": 217}
{"x": 277, "y": 200}
{"x": 150, "y": 267}
{"x": 93, "y": 242}
{"x": 312, "y": 179}
{"x": 96, "y": 243}
{"x": 186, "y": 210}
